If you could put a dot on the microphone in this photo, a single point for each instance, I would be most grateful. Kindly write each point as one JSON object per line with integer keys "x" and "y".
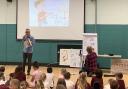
{"x": 80, "y": 54}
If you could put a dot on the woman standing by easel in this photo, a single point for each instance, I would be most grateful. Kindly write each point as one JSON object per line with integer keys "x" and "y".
{"x": 90, "y": 61}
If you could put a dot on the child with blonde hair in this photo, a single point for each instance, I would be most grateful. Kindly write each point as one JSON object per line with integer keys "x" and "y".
{"x": 82, "y": 82}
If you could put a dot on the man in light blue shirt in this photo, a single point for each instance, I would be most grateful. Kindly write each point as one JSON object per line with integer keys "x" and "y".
{"x": 28, "y": 41}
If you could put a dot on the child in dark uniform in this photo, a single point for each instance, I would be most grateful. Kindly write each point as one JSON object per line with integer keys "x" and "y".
{"x": 120, "y": 81}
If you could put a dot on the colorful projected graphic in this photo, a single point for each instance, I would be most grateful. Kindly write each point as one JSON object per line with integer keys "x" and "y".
{"x": 45, "y": 13}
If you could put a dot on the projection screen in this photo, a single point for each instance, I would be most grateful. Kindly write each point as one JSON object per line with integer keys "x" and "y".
{"x": 51, "y": 19}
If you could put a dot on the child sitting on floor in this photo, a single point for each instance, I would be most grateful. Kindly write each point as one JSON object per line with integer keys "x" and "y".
{"x": 120, "y": 81}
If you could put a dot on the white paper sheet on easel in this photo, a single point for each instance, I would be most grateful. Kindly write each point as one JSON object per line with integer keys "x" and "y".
{"x": 90, "y": 39}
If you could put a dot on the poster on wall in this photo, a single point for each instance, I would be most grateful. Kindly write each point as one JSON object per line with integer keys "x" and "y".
{"x": 90, "y": 39}
{"x": 74, "y": 57}
{"x": 64, "y": 57}
{"x": 70, "y": 57}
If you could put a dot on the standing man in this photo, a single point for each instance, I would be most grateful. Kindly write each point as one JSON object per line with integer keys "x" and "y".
{"x": 28, "y": 41}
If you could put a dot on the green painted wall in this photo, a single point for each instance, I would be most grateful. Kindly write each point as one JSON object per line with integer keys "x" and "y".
{"x": 111, "y": 39}
{"x": 11, "y": 49}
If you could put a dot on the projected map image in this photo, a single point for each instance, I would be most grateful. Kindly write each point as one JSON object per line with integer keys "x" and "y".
{"x": 47, "y": 13}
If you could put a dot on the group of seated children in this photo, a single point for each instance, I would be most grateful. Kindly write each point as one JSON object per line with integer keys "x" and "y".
{"x": 41, "y": 80}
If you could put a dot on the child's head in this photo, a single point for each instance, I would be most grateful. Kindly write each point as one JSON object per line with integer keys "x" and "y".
{"x": 82, "y": 82}
{"x": 23, "y": 85}
{"x": 60, "y": 86}
{"x": 18, "y": 69}
{"x": 99, "y": 73}
{"x": 39, "y": 84}
{"x": 63, "y": 71}
{"x": 49, "y": 70}
{"x": 67, "y": 75}
{"x": 61, "y": 81}
{"x": 114, "y": 84}
{"x": 119, "y": 76}
{"x": 35, "y": 65}
{"x": 14, "y": 84}
{"x": 109, "y": 81}
{"x": 43, "y": 77}
{"x": 83, "y": 75}
{"x": 2, "y": 69}
{"x": 81, "y": 71}
{"x": 11, "y": 75}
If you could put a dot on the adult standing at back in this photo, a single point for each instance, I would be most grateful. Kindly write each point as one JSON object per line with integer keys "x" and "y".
{"x": 28, "y": 41}
{"x": 90, "y": 61}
